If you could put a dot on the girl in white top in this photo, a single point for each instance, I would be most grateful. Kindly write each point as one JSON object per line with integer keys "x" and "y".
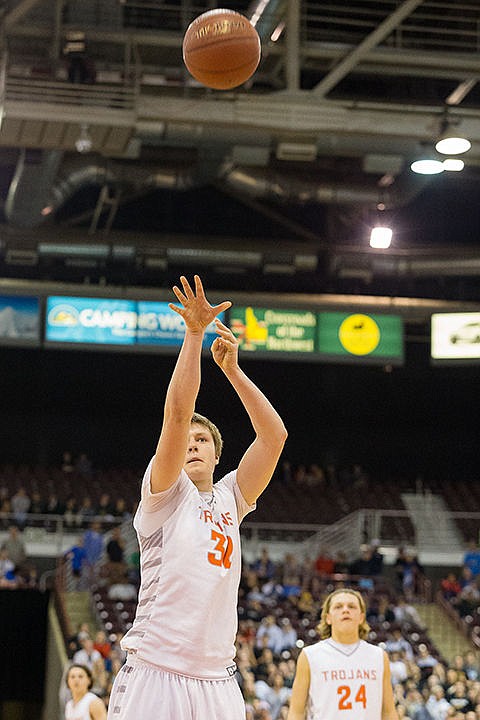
{"x": 83, "y": 705}
{"x": 342, "y": 677}
{"x": 181, "y": 646}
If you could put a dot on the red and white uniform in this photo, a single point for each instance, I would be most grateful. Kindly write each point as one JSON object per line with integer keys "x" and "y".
{"x": 186, "y": 619}
{"x": 346, "y": 681}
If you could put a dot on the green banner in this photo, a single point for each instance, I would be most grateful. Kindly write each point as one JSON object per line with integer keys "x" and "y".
{"x": 274, "y": 330}
{"x": 361, "y": 335}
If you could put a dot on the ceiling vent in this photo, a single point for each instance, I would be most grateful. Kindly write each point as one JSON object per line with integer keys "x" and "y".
{"x": 297, "y": 152}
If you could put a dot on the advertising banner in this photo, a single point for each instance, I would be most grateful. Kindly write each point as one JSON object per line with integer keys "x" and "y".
{"x": 360, "y": 337}
{"x": 455, "y": 336}
{"x": 274, "y": 329}
{"x": 19, "y": 320}
{"x": 115, "y": 322}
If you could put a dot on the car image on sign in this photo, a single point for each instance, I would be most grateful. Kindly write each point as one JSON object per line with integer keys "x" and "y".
{"x": 469, "y": 333}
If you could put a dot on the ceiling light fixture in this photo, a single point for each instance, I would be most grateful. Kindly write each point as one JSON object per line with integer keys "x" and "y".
{"x": 381, "y": 234}
{"x": 450, "y": 141}
{"x": 84, "y": 142}
{"x": 427, "y": 166}
{"x": 453, "y": 164}
{"x": 381, "y": 237}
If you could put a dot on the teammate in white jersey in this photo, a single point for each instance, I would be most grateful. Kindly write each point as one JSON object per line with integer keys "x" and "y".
{"x": 181, "y": 647}
{"x": 342, "y": 677}
{"x": 83, "y": 705}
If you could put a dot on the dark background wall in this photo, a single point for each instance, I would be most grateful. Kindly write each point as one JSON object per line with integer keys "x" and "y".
{"x": 410, "y": 420}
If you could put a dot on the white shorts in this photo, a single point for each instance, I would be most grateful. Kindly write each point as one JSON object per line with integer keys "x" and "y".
{"x": 146, "y": 692}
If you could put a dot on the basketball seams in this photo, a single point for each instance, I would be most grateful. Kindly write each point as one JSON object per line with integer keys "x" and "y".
{"x": 221, "y": 49}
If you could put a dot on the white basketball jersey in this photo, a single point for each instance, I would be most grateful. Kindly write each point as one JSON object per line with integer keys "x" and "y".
{"x": 346, "y": 681}
{"x": 80, "y": 711}
{"x": 186, "y": 618}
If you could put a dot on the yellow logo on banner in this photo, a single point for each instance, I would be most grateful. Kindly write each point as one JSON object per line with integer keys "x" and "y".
{"x": 359, "y": 334}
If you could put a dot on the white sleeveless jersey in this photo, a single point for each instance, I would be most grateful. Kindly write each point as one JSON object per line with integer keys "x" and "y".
{"x": 80, "y": 711}
{"x": 186, "y": 619}
{"x": 346, "y": 682}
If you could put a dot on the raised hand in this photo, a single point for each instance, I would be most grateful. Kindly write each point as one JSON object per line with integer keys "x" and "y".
{"x": 196, "y": 310}
{"x": 225, "y": 347}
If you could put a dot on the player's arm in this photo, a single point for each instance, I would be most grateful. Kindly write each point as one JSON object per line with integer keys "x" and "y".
{"x": 97, "y": 710}
{"x": 184, "y": 384}
{"x": 388, "y": 703}
{"x": 258, "y": 463}
{"x": 300, "y": 689}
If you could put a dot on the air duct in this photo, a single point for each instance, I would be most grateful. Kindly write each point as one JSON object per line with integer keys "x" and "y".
{"x": 30, "y": 188}
{"x": 276, "y": 186}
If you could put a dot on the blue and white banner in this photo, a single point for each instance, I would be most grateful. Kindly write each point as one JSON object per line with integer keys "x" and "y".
{"x": 19, "y": 319}
{"x": 115, "y": 322}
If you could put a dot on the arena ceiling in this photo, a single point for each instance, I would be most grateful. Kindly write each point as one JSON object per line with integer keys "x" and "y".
{"x": 271, "y": 187}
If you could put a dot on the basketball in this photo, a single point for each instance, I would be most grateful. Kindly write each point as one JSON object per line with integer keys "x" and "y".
{"x": 221, "y": 49}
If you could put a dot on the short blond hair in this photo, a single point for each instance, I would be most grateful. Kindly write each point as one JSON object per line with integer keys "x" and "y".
{"x": 213, "y": 430}
{"x": 324, "y": 629}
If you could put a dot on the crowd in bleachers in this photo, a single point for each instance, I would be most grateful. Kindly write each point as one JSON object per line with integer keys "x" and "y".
{"x": 279, "y": 602}
{"x": 279, "y": 609}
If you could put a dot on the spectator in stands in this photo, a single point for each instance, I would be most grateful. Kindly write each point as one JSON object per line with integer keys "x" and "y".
{"x": 121, "y": 511}
{"x": 376, "y": 558}
{"x": 288, "y": 636}
{"x": 83, "y": 465}
{"x": 86, "y": 511}
{"x": 83, "y": 703}
{"x": 341, "y": 565}
{"x": 265, "y": 662}
{"x": 74, "y": 642}
{"x": 398, "y": 567}
{"x": 87, "y": 655}
{"x": 437, "y": 704}
{"x": 324, "y": 562}
{"x": 116, "y": 568}
{"x": 397, "y": 643}
{"x": 93, "y": 544}
{"x": 20, "y": 504}
{"x": 105, "y": 507}
{"x": 5, "y": 511}
{"x": 7, "y": 567}
{"x": 67, "y": 463}
{"x": 54, "y": 506}
{"x": 102, "y": 644}
{"x": 471, "y": 665}
{"x": 459, "y": 697}
{"x": 471, "y": 558}
{"x": 468, "y": 597}
{"x": 37, "y": 506}
{"x": 406, "y": 613}
{"x": 264, "y": 567}
{"x": 450, "y": 586}
{"x": 116, "y": 546}
{"x": 425, "y": 661}
{"x": 70, "y": 515}
{"x": 275, "y": 694}
{"x": 269, "y": 634}
{"x": 361, "y": 566}
{"x": 398, "y": 667}
{"x": 77, "y": 556}
{"x": 15, "y": 547}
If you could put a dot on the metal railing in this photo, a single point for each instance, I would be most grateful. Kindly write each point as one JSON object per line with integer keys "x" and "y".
{"x": 111, "y": 97}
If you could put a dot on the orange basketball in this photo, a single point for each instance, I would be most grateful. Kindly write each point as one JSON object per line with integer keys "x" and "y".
{"x": 221, "y": 49}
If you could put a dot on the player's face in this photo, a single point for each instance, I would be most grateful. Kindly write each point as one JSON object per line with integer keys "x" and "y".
{"x": 345, "y": 613}
{"x": 78, "y": 680}
{"x": 201, "y": 459}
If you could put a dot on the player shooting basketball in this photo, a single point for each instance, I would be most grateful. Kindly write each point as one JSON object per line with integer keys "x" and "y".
{"x": 181, "y": 646}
